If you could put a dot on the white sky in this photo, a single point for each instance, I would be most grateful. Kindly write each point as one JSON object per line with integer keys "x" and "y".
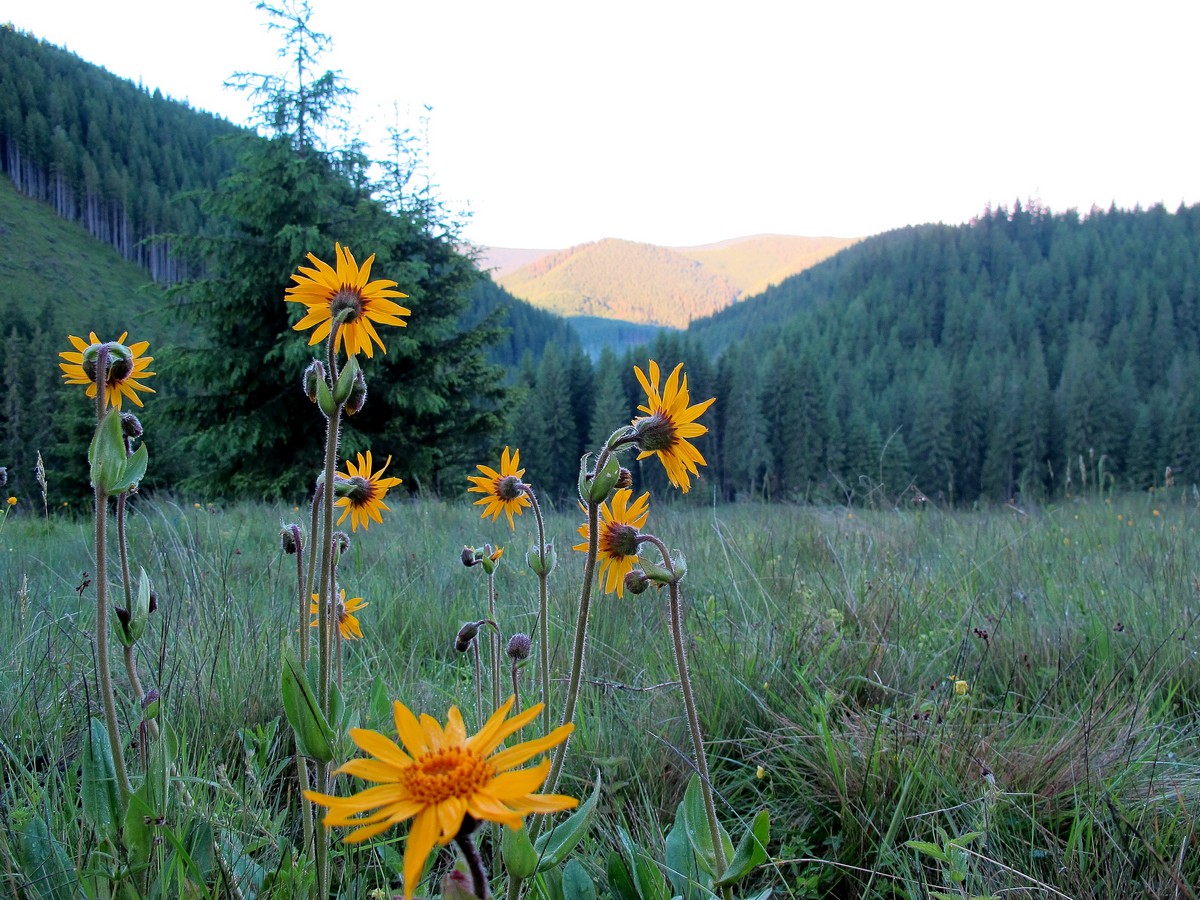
{"x": 683, "y": 123}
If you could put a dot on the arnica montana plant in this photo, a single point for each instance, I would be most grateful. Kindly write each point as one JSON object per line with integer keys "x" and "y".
{"x": 494, "y": 800}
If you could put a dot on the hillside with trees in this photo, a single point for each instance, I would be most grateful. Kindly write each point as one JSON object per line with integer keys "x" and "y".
{"x": 1026, "y": 354}
{"x": 651, "y": 285}
{"x": 221, "y": 216}
{"x": 103, "y": 152}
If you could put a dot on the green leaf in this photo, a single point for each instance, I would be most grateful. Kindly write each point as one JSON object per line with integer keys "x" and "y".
{"x": 135, "y": 832}
{"x": 132, "y": 471}
{"x": 648, "y": 879}
{"x": 99, "y": 791}
{"x": 549, "y": 885}
{"x": 314, "y": 736}
{"x": 553, "y": 846}
{"x": 682, "y": 869}
{"x": 45, "y": 864}
{"x": 751, "y": 850}
{"x": 576, "y": 883}
{"x": 928, "y": 849}
{"x": 516, "y": 849}
{"x": 696, "y": 826}
{"x": 106, "y": 454}
{"x": 620, "y": 884}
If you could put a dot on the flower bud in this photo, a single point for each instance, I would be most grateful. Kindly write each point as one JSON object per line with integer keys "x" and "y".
{"x": 491, "y": 556}
{"x": 290, "y": 540}
{"x": 636, "y": 581}
{"x": 346, "y": 379}
{"x": 519, "y": 646}
{"x": 533, "y": 559}
{"x": 468, "y": 556}
{"x": 150, "y": 703}
{"x": 312, "y": 375}
{"x": 358, "y": 394}
{"x": 624, "y": 479}
{"x": 466, "y": 634}
{"x": 594, "y": 487}
{"x": 131, "y": 426}
{"x": 341, "y": 543}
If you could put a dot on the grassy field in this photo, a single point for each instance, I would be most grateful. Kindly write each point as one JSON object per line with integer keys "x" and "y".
{"x": 1026, "y": 681}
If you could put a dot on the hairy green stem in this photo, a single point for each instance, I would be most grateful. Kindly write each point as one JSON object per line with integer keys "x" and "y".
{"x": 577, "y": 655}
{"x": 474, "y": 861}
{"x": 123, "y": 546}
{"x": 543, "y": 612}
{"x": 495, "y": 640}
{"x": 306, "y": 809}
{"x": 103, "y": 671}
{"x": 325, "y": 603}
{"x": 693, "y": 718}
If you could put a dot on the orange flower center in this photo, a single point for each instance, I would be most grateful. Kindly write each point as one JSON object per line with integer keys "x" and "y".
{"x": 442, "y": 774}
{"x": 655, "y": 433}
{"x": 346, "y": 299}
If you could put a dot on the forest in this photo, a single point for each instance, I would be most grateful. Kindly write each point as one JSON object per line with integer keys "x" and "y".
{"x": 1023, "y": 356}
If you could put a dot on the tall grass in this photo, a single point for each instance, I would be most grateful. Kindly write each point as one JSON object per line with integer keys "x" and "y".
{"x": 824, "y": 642}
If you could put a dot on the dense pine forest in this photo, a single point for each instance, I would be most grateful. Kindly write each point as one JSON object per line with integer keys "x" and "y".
{"x": 1023, "y": 356}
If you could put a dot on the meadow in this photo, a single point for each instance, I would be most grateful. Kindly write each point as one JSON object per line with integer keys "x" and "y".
{"x": 995, "y": 703}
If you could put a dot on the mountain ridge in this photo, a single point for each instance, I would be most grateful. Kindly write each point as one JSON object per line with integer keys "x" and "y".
{"x": 651, "y": 284}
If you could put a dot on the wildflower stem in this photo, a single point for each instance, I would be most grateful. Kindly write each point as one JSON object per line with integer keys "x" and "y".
{"x": 495, "y": 641}
{"x": 479, "y": 717}
{"x": 543, "y": 610}
{"x": 136, "y": 684}
{"x": 479, "y": 876}
{"x": 581, "y": 624}
{"x": 325, "y": 596}
{"x": 516, "y": 686}
{"x": 303, "y": 588}
{"x": 689, "y": 703}
{"x": 105, "y": 675}
{"x": 123, "y": 546}
{"x": 314, "y": 521}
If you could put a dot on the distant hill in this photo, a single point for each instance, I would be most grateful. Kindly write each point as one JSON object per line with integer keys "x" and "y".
{"x": 648, "y": 284}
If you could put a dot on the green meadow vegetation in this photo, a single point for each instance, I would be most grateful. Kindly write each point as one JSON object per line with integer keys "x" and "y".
{"x": 825, "y": 646}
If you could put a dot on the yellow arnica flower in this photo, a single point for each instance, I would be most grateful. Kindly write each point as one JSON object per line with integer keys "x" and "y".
{"x": 329, "y": 292}
{"x": 363, "y": 491}
{"x": 346, "y": 620}
{"x": 126, "y": 366}
{"x": 502, "y": 490}
{"x": 617, "y": 542}
{"x": 668, "y": 424}
{"x": 440, "y": 776}
{"x": 12, "y": 501}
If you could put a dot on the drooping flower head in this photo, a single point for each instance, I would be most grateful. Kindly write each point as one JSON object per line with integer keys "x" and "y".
{"x": 502, "y": 490}
{"x": 126, "y": 365}
{"x": 361, "y": 491}
{"x": 669, "y": 423}
{"x": 440, "y": 776}
{"x": 347, "y": 622}
{"x": 618, "y": 538}
{"x": 329, "y": 293}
